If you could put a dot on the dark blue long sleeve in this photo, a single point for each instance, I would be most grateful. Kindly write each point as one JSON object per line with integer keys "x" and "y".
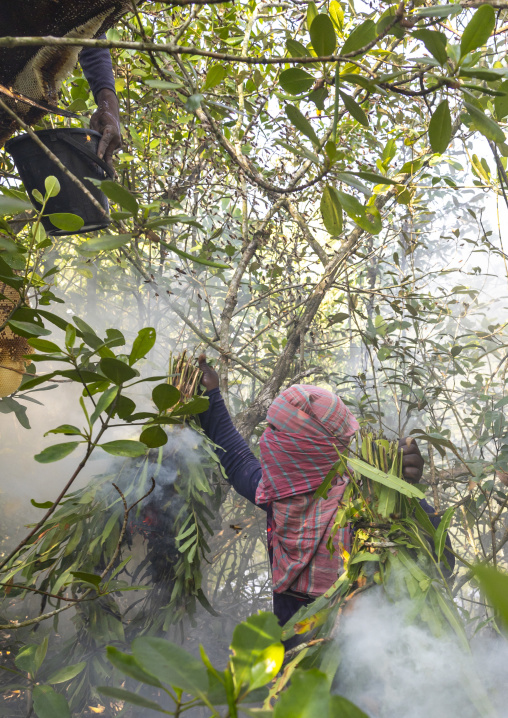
{"x": 241, "y": 466}
{"x": 97, "y": 68}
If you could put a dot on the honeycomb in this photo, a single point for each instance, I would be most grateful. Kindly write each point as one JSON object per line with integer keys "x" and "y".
{"x": 12, "y": 346}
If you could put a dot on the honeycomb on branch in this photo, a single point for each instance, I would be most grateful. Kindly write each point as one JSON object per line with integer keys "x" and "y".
{"x": 12, "y": 347}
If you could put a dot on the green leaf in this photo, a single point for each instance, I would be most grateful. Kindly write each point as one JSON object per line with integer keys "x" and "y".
{"x": 198, "y": 260}
{"x": 495, "y": 585}
{"x": 52, "y": 186}
{"x": 91, "y": 578}
{"x": 487, "y": 126}
{"x": 301, "y": 123}
{"x": 56, "y": 452}
{"x": 117, "y": 371}
{"x": 393, "y": 482}
{"x": 331, "y": 211}
{"x": 82, "y": 375}
{"x": 337, "y": 469}
{"x": 195, "y": 406}
{"x": 295, "y": 81}
{"x": 423, "y": 518}
{"x": 501, "y": 103}
{"x": 29, "y": 328}
{"x": 154, "y": 436}
{"x": 214, "y": 76}
{"x": 105, "y": 400}
{"x": 435, "y": 42}
{"x": 250, "y": 640}
{"x": 438, "y": 11}
{"x": 352, "y": 180}
{"x": 361, "y": 36}
{"x": 42, "y": 505}
{"x": 25, "y": 660}
{"x": 163, "y": 84}
{"x": 322, "y": 36}
{"x": 49, "y": 704}
{"x": 340, "y": 706}
{"x": 67, "y": 429}
{"x": 128, "y": 665}
{"x": 374, "y": 177}
{"x": 70, "y": 336}
{"x": 194, "y": 102}
{"x": 367, "y": 218}
{"x": 165, "y": 396}
{"x": 363, "y": 556}
{"x": 387, "y": 501}
{"x": 266, "y": 666}
{"x": 361, "y": 80}
{"x": 127, "y": 696}
{"x": 66, "y": 673}
{"x": 384, "y": 353}
{"x": 337, "y": 14}
{"x": 40, "y": 653}
{"x": 124, "y": 447}
{"x": 115, "y": 338}
{"x": 478, "y": 30}
{"x": 118, "y": 194}
{"x": 43, "y": 345}
{"x": 440, "y": 128}
{"x": 354, "y": 109}
{"x": 142, "y": 344}
{"x": 66, "y": 220}
{"x": 12, "y": 205}
{"x": 296, "y": 49}
{"x": 482, "y": 73}
{"x": 106, "y": 242}
{"x": 308, "y": 696}
{"x": 124, "y": 407}
{"x": 312, "y": 13}
{"x": 171, "y": 664}
{"x": 442, "y": 531}
{"x": 7, "y": 245}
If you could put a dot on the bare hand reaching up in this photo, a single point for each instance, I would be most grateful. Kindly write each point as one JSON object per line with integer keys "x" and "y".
{"x": 210, "y": 378}
{"x": 412, "y": 460}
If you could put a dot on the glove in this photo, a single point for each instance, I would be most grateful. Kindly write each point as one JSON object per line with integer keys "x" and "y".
{"x": 106, "y": 120}
{"x": 210, "y": 378}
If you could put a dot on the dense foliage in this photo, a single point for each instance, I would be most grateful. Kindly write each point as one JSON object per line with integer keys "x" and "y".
{"x": 310, "y": 192}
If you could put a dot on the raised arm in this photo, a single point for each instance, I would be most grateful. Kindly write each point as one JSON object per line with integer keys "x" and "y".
{"x": 241, "y": 466}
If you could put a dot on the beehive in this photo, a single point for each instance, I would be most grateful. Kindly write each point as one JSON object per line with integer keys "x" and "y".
{"x": 12, "y": 346}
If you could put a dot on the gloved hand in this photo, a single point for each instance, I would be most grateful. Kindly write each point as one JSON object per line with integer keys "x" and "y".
{"x": 210, "y": 378}
{"x": 412, "y": 460}
{"x": 106, "y": 120}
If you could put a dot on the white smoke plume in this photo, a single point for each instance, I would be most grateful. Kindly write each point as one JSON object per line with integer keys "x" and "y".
{"x": 392, "y": 669}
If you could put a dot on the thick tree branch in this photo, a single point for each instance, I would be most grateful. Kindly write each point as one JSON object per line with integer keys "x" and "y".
{"x": 172, "y": 49}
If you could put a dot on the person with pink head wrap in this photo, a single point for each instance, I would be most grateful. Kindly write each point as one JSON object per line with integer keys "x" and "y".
{"x": 307, "y": 426}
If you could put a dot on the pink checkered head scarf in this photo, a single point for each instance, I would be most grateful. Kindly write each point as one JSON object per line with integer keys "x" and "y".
{"x": 309, "y": 424}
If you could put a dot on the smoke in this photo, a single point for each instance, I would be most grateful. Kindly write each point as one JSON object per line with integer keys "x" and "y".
{"x": 392, "y": 669}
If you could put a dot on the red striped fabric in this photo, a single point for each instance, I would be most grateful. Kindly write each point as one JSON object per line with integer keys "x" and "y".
{"x": 306, "y": 425}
